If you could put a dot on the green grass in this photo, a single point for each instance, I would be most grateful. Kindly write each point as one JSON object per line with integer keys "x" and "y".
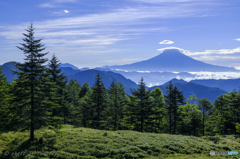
{"x": 70, "y": 142}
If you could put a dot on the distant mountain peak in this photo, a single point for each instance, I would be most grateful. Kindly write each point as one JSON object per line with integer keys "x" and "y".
{"x": 175, "y": 61}
{"x": 69, "y": 65}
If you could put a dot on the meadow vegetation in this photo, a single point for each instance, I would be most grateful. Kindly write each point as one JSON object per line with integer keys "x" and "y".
{"x": 78, "y": 142}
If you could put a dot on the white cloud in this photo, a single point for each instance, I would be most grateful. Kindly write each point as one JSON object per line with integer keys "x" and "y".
{"x": 54, "y": 3}
{"x": 166, "y": 42}
{"x": 106, "y": 28}
{"x": 238, "y": 39}
{"x": 66, "y": 11}
{"x": 213, "y": 75}
{"x": 47, "y": 5}
{"x": 206, "y": 52}
{"x": 181, "y": 50}
{"x": 64, "y": 1}
{"x": 220, "y": 52}
{"x": 163, "y": 1}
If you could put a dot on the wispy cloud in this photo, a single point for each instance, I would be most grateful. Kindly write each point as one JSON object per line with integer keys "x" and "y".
{"x": 206, "y": 52}
{"x": 55, "y": 3}
{"x": 166, "y": 42}
{"x": 66, "y": 11}
{"x": 47, "y": 5}
{"x": 220, "y": 52}
{"x": 105, "y": 28}
{"x": 238, "y": 39}
{"x": 163, "y": 1}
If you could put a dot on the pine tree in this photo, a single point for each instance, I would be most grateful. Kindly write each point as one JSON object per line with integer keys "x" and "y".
{"x": 59, "y": 80}
{"x": 115, "y": 109}
{"x": 233, "y": 100}
{"x": 169, "y": 99}
{"x": 4, "y": 100}
{"x": 74, "y": 88}
{"x": 32, "y": 87}
{"x": 189, "y": 117}
{"x": 173, "y": 99}
{"x": 219, "y": 115}
{"x": 159, "y": 110}
{"x": 85, "y": 108}
{"x": 99, "y": 101}
{"x": 144, "y": 109}
{"x": 205, "y": 105}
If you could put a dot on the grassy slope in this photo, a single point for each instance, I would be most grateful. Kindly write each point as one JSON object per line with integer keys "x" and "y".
{"x": 70, "y": 142}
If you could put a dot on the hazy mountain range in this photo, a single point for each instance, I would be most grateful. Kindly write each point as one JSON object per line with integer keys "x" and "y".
{"x": 156, "y": 70}
{"x": 172, "y": 60}
{"x": 89, "y": 76}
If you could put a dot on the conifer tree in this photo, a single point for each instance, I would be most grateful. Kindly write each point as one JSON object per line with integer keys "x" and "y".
{"x": 116, "y": 103}
{"x": 99, "y": 101}
{"x": 85, "y": 108}
{"x": 74, "y": 88}
{"x": 32, "y": 87}
{"x": 173, "y": 99}
{"x": 4, "y": 100}
{"x": 143, "y": 109}
{"x": 219, "y": 114}
{"x": 205, "y": 105}
{"x": 169, "y": 99}
{"x": 85, "y": 88}
{"x": 189, "y": 117}
{"x": 159, "y": 110}
{"x": 61, "y": 93}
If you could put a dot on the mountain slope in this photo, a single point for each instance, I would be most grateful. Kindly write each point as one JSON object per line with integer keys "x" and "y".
{"x": 172, "y": 60}
{"x": 68, "y": 71}
{"x": 225, "y": 84}
{"x": 192, "y": 88}
{"x": 7, "y": 71}
{"x": 69, "y": 65}
{"x": 107, "y": 78}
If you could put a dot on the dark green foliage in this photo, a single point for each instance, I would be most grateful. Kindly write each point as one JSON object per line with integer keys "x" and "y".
{"x": 32, "y": 89}
{"x": 117, "y": 101}
{"x": 85, "y": 104}
{"x": 73, "y": 108}
{"x": 160, "y": 111}
{"x": 140, "y": 110}
{"x": 59, "y": 113}
{"x": 189, "y": 117}
{"x": 99, "y": 101}
{"x": 173, "y": 99}
{"x": 205, "y": 105}
{"x": 5, "y": 113}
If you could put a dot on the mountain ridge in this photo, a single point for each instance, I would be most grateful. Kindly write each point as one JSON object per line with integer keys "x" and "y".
{"x": 172, "y": 60}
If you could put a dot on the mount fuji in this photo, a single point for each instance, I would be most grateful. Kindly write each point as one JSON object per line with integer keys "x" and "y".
{"x": 172, "y": 60}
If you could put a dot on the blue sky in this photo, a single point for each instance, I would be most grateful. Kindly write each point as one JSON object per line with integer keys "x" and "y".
{"x": 92, "y": 33}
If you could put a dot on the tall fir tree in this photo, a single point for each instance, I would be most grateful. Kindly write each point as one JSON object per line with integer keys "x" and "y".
{"x": 189, "y": 117}
{"x": 85, "y": 108}
{"x": 143, "y": 110}
{"x": 99, "y": 101}
{"x": 116, "y": 103}
{"x": 59, "y": 80}
{"x": 205, "y": 105}
{"x": 73, "y": 108}
{"x": 33, "y": 86}
{"x": 159, "y": 109}
{"x": 173, "y": 99}
{"x": 169, "y": 99}
{"x": 219, "y": 114}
